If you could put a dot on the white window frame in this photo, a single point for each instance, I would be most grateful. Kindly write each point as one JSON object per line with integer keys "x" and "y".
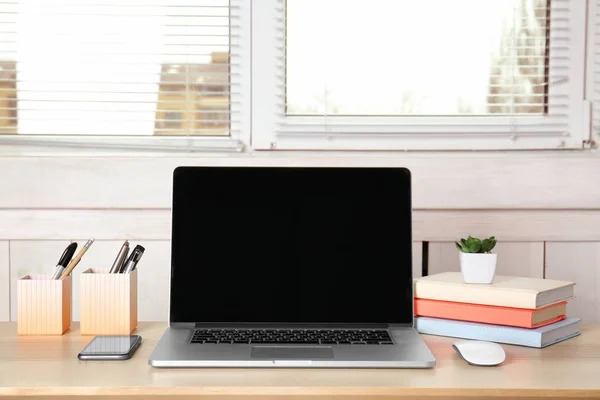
{"x": 240, "y": 64}
{"x": 592, "y": 86}
{"x": 273, "y": 130}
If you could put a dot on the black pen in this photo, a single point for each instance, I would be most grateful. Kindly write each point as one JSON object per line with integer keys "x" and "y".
{"x": 133, "y": 259}
{"x": 64, "y": 260}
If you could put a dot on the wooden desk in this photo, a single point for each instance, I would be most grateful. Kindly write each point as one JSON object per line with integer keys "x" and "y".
{"x": 47, "y": 367}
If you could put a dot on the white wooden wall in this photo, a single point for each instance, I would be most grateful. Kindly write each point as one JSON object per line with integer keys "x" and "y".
{"x": 577, "y": 262}
{"x": 4, "y": 281}
{"x": 574, "y": 261}
{"x": 544, "y": 208}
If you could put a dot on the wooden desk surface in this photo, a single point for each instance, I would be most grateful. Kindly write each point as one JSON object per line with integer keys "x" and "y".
{"x": 48, "y": 367}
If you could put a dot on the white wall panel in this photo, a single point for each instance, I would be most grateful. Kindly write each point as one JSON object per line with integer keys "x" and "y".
{"x": 153, "y": 274}
{"x": 579, "y": 263}
{"x": 428, "y": 225}
{"x": 102, "y": 224}
{"x": 4, "y": 281}
{"x": 417, "y": 256}
{"x": 501, "y": 180}
{"x": 517, "y": 259}
{"x": 508, "y": 225}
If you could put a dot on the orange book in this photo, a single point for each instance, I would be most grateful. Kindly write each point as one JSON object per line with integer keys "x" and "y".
{"x": 520, "y": 317}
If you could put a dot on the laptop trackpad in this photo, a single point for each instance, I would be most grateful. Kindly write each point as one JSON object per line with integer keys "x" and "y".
{"x": 292, "y": 353}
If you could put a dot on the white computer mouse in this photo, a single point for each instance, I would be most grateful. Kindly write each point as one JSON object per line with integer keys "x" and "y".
{"x": 480, "y": 353}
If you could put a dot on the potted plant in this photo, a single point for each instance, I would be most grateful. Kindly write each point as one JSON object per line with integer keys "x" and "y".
{"x": 477, "y": 263}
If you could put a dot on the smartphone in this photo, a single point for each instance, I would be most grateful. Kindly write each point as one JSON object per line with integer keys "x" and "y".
{"x": 110, "y": 348}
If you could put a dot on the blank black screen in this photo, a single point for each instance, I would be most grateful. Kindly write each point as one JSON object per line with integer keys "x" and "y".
{"x": 291, "y": 245}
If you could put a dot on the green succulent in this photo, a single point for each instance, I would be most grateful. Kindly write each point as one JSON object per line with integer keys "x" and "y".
{"x": 475, "y": 245}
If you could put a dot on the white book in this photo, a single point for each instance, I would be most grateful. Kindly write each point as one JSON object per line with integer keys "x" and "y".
{"x": 505, "y": 291}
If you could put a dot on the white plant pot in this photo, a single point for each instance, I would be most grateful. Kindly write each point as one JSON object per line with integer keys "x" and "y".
{"x": 478, "y": 267}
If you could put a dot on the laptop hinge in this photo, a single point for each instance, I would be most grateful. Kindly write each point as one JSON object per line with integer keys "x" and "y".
{"x": 182, "y": 325}
{"x": 288, "y": 325}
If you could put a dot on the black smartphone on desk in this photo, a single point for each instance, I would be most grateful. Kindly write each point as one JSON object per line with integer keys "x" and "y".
{"x": 110, "y": 348}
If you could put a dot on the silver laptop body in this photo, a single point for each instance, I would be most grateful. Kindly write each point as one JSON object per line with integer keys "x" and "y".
{"x": 291, "y": 267}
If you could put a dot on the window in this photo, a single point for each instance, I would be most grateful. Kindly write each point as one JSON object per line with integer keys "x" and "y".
{"x": 491, "y": 60}
{"x": 128, "y": 68}
{"x": 8, "y": 98}
{"x": 431, "y": 74}
{"x": 170, "y": 120}
{"x": 299, "y": 74}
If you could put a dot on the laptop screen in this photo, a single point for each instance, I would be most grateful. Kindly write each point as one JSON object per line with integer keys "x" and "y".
{"x": 291, "y": 245}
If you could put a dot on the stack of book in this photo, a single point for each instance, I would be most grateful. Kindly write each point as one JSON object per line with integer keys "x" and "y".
{"x": 513, "y": 310}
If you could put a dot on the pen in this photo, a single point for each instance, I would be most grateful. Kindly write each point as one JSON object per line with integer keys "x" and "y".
{"x": 64, "y": 260}
{"x": 77, "y": 258}
{"x": 121, "y": 256}
{"x": 133, "y": 259}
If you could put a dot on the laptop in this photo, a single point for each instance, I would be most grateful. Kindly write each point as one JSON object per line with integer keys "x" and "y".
{"x": 291, "y": 267}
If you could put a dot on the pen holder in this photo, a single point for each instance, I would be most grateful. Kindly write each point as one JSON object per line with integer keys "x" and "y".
{"x": 108, "y": 302}
{"x": 43, "y": 305}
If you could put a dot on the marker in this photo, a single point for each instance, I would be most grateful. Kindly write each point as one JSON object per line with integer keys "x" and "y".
{"x": 121, "y": 256}
{"x": 134, "y": 258}
{"x": 64, "y": 260}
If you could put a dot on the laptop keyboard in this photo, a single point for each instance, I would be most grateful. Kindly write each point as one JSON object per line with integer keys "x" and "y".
{"x": 292, "y": 336}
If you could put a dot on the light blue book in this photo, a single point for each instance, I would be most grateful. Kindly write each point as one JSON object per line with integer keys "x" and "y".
{"x": 540, "y": 337}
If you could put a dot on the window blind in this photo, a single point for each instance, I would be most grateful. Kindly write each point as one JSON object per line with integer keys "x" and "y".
{"x": 119, "y": 68}
{"x": 418, "y": 73}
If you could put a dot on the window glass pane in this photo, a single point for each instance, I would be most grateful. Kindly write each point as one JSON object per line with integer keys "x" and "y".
{"x": 107, "y": 67}
{"x": 407, "y": 57}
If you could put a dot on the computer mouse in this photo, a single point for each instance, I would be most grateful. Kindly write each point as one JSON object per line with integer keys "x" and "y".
{"x": 480, "y": 353}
